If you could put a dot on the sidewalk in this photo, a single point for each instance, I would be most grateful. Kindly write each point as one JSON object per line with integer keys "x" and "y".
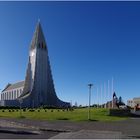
{"x": 90, "y": 134}
{"x": 128, "y": 128}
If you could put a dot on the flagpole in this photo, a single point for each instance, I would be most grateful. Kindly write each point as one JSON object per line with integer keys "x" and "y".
{"x": 101, "y": 96}
{"x": 97, "y": 99}
{"x": 105, "y": 94}
{"x": 112, "y": 94}
{"x": 108, "y": 95}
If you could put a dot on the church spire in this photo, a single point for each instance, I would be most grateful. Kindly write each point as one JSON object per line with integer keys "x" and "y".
{"x": 38, "y": 37}
{"x": 39, "y": 87}
{"x": 38, "y": 19}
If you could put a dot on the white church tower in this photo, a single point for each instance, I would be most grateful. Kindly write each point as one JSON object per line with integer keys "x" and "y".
{"x": 39, "y": 87}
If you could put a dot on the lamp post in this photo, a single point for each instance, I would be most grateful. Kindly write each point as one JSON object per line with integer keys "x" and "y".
{"x": 89, "y": 85}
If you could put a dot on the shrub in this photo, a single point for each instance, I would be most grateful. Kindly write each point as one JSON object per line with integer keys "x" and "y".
{"x": 9, "y": 107}
{"x": 71, "y": 109}
{"x": 31, "y": 110}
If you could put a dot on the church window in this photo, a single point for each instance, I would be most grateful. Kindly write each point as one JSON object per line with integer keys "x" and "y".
{"x": 14, "y": 94}
{"x": 6, "y": 95}
{"x": 2, "y": 96}
{"x": 42, "y": 45}
{"x": 9, "y": 95}
{"x": 17, "y": 94}
{"x": 39, "y": 45}
{"x": 20, "y": 91}
{"x": 45, "y": 47}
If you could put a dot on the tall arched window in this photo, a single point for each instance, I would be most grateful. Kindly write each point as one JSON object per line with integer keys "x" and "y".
{"x": 42, "y": 45}
{"x": 9, "y": 95}
{"x": 5, "y": 95}
{"x": 38, "y": 45}
{"x": 45, "y": 47}
{"x": 17, "y": 93}
{"x": 14, "y": 94}
{"x": 20, "y": 91}
{"x": 2, "y": 96}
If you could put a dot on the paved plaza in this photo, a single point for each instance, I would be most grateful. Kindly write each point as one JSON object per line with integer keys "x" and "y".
{"x": 25, "y": 128}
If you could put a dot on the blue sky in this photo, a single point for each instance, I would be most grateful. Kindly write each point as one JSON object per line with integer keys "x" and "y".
{"x": 88, "y": 42}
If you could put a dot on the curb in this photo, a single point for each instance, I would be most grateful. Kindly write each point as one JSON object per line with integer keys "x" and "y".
{"x": 53, "y": 130}
{"x": 15, "y": 131}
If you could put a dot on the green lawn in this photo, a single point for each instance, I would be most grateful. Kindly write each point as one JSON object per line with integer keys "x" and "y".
{"x": 76, "y": 115}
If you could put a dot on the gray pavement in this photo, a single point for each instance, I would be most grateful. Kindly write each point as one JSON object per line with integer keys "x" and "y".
{"x": 10, "y": 135}
{"x": 68, "y": 129}
{"x": 90, "y": 134}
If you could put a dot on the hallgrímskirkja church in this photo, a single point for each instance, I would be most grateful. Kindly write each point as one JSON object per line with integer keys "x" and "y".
{"x": 38, "y": 87}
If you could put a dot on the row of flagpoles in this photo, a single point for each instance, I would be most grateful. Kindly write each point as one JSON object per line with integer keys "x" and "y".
{"x": 104, "y": 93}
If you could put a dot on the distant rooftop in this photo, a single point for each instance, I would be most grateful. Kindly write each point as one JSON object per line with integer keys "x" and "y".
{"x": 136, "y": 98}
{"x": 13, "y": 86}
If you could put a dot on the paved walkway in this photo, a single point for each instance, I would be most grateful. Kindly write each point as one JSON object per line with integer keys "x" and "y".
{"x": 128, "y": 128}
{"x": 90, "y": 134}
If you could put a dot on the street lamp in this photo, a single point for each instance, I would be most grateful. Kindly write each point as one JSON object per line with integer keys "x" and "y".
{"x": 89, "y": 85}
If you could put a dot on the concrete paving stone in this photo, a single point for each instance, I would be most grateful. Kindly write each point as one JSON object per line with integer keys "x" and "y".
{"x": 89, "y": 134}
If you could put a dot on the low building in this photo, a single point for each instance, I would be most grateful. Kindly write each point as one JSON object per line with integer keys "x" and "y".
{"x": 11, "y": 92}
{"x": 135, "y": 101}
{"x": 130, "y": 103}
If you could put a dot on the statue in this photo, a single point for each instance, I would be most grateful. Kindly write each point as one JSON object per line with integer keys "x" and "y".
{"x": 118, "y": 101}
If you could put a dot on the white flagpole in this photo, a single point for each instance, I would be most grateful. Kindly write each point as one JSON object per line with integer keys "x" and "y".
{"x": 112, "y": 93}
{"x": 105, "y": 94}
{"x": 108, "y": 95}
{"x": 97, "y": 99}
{"x": 101, "y": 96}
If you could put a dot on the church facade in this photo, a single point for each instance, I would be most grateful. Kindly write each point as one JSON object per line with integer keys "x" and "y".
{"x": 11, "y": 93}
{"x": 38, "y": 87}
